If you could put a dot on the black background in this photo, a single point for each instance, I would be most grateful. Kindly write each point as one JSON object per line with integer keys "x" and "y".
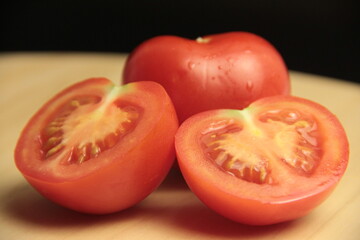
{"x": 318, "y": 36}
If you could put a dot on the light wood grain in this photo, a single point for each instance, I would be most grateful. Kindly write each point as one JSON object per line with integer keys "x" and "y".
{"x": 172, "y": 211}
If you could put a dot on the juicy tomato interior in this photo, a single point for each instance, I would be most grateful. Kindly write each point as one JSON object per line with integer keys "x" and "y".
{"x": 95, "y": 147}
{"x": 249, "y": 149}
{"x": 271, "y": 162}
{"x": 80, "y": 127}
{"x": 85, "y": 127}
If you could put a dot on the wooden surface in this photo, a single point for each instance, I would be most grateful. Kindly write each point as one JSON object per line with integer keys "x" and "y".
{"x": 172, "y": 211}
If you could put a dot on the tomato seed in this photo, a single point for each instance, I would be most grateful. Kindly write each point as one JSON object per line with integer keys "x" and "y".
{"x": 216, "y": 146}
{"x": 54, "y": 150}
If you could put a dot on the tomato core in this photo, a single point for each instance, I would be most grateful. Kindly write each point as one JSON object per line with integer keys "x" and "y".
{"x": 250, "y": 147}
{"x": 86, "y": 126}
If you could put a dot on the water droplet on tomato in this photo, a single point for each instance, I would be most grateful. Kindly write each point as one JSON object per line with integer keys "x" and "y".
{"x": 249, "y": 86}
{"x": 191, "y": 65}
{"x": 231, "y": 60}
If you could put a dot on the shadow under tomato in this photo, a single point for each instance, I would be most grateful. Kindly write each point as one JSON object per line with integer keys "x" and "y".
{"x": 200, "y": 219}
{"x": 180, "y": 210}
{"x": 184, "y": 211}
{"x": 25, "y": 204}
{"x": 193, "y": 216}
{"x": 174, "y": 181}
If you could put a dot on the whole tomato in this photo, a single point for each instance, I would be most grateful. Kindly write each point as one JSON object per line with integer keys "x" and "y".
{"x": 229, "y": 70}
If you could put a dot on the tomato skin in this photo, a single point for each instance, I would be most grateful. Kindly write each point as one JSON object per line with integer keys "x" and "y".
{"x": 228, "y": 70}
{"x": 257, "y": 204}
{"x": 134, "y": 167}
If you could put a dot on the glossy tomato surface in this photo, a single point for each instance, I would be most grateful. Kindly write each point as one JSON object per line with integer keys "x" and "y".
{"x": 228, "y": 70}
{"x": 271, "y": 162}
{"x": 99, "y": 148}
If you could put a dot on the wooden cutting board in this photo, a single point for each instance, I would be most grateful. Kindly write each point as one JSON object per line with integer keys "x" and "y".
{"x": 27, "y": 80}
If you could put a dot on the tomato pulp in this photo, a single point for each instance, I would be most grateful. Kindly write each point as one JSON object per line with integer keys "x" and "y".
{"x": 99, "y": 148}
{"x": 271, "y": 162}
{"x": 228, "y": 70}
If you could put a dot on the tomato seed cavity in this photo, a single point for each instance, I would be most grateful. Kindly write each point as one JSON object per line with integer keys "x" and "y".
{"x": 232, "y": 155}
{"x": 306, "y": 150}
{"x": 72, "y": 120}
{"x": 248, "y": 152}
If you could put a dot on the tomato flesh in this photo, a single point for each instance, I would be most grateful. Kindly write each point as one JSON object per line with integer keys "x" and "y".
{"x": 95, "y": 148}
{"x": 271, "y": 162}
{"x": 67, "y": 134}
{"x": 289, "y": 138}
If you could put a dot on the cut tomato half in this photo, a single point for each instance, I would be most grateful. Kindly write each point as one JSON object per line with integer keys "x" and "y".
{"x": 271, "y": 162}
{"x": 97, "y": 147}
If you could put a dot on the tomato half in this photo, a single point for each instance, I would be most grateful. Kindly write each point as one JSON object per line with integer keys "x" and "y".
{"x": 99, "y": 148}
{"x": 228, "y": 70}
{"x": 271, "y": 162}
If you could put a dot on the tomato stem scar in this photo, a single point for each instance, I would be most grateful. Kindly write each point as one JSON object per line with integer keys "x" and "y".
{"x": 202, "y": 40}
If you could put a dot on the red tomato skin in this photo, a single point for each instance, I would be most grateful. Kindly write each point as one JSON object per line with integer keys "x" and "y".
{"x": 118, "y": 189}
{"x": 231, "y": 70}
{"x": 120, "y": 184}
{"x": 211, "y": 184}
{"x": 248, "y": 211}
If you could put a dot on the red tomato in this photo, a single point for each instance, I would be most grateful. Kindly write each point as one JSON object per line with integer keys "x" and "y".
{"x": 99, "y": 148}
{"x": 228, "y": 70}
{"x": 271, "y": 162}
